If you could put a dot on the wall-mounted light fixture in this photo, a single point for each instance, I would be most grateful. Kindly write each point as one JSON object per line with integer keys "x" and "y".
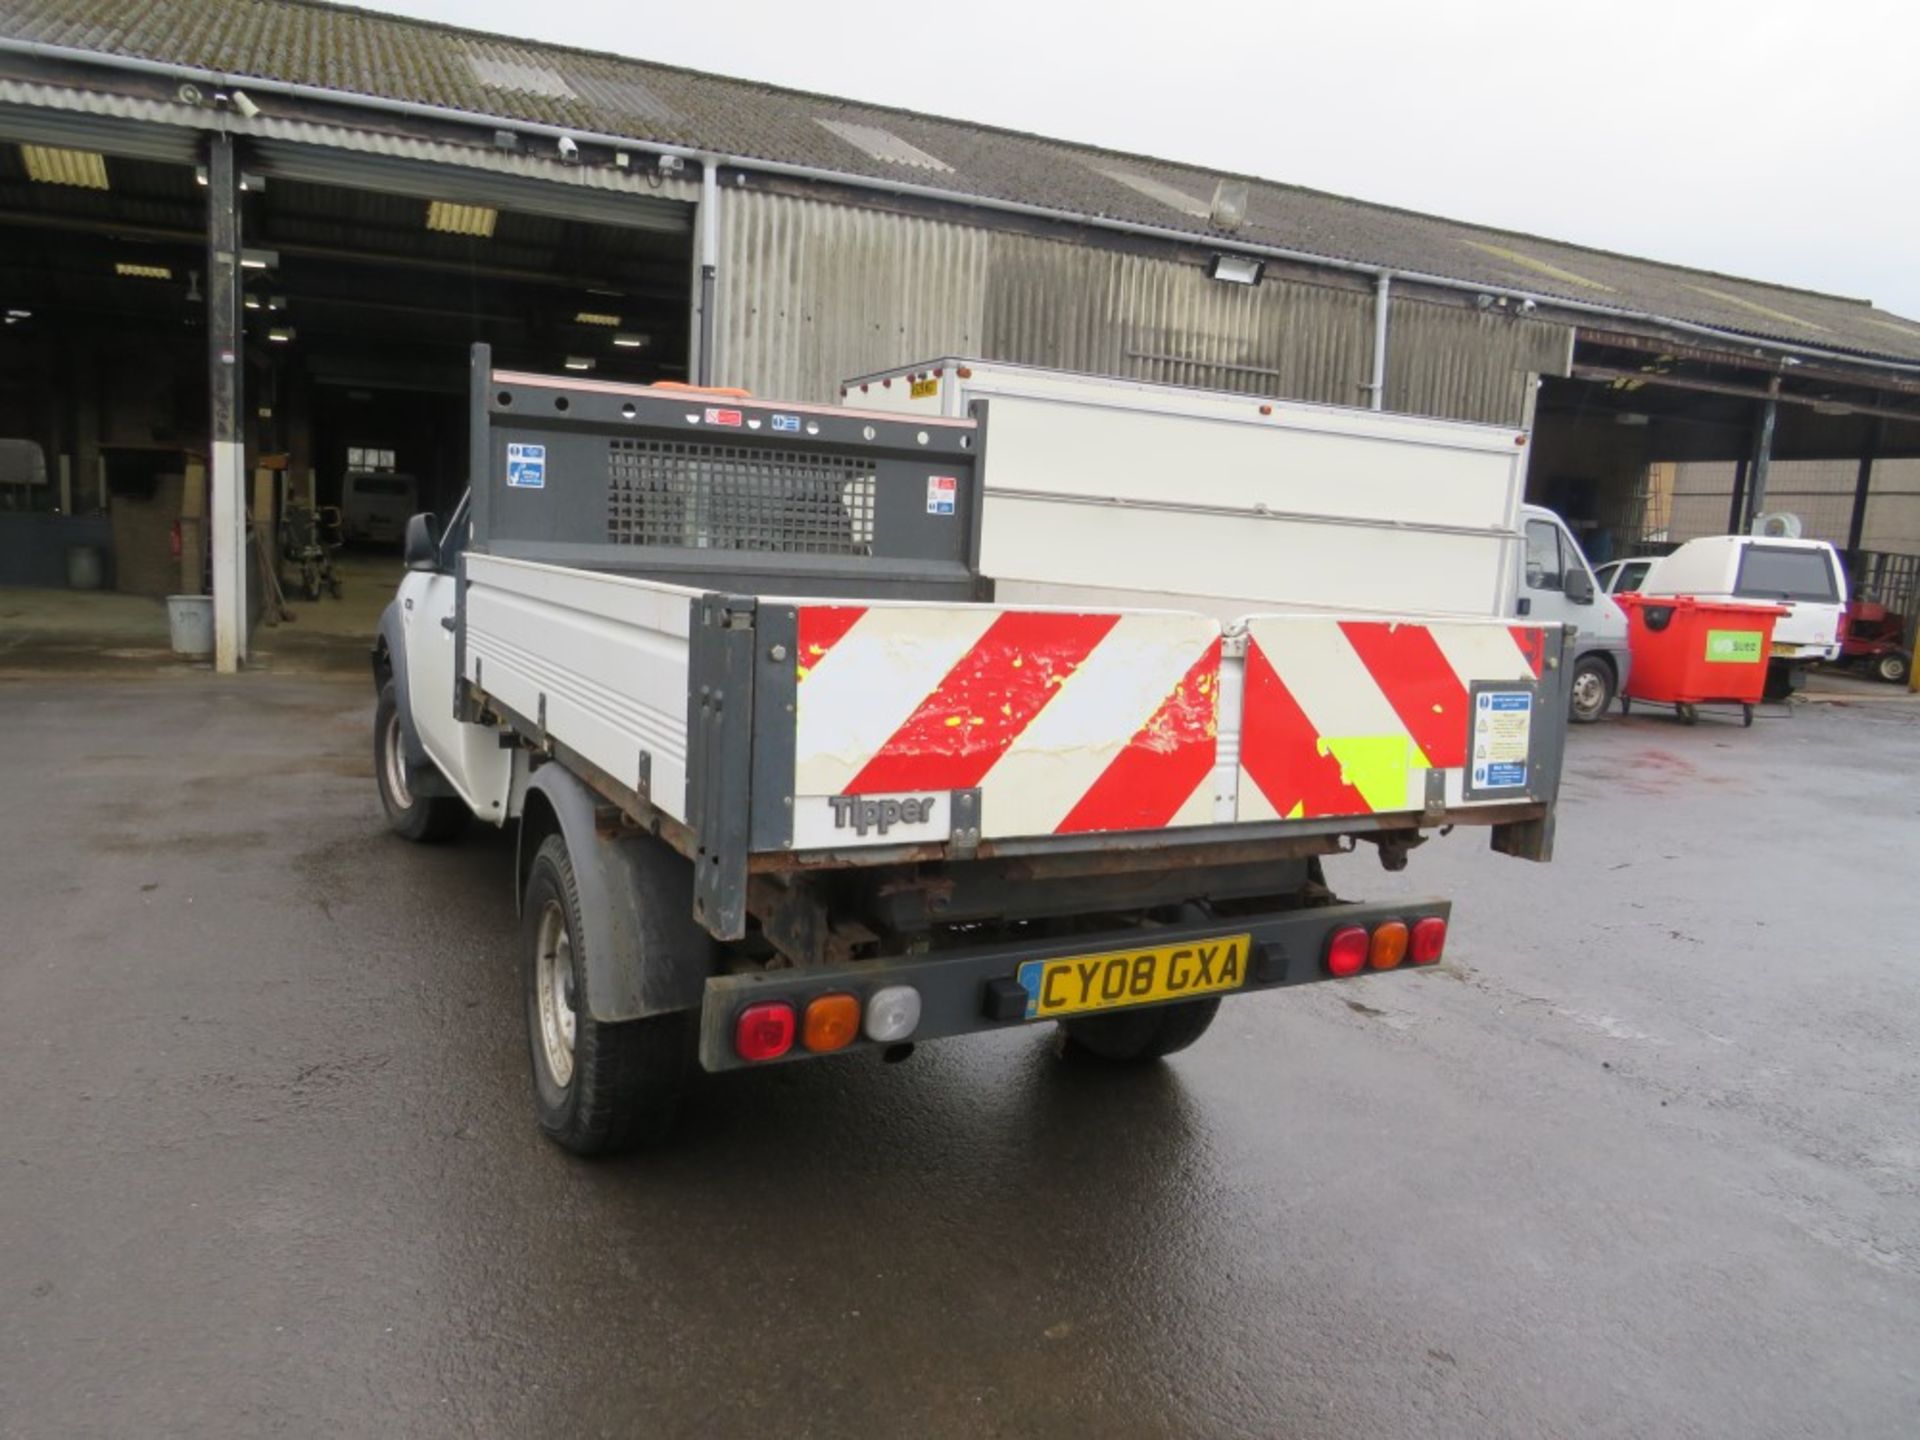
{"x": 1237, "y": 269}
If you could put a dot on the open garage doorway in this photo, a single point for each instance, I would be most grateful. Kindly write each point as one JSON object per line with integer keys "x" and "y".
{"x": 366, "y": 281}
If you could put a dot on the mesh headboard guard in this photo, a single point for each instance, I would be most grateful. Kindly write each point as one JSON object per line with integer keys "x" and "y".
{"x": 726, "y": 494}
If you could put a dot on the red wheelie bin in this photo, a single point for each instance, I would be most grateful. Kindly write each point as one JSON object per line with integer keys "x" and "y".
{"x": 1689, "y": 652}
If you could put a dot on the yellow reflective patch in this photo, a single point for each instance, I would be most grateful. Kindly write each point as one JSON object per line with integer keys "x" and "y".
{"x": 1377, "y": 766}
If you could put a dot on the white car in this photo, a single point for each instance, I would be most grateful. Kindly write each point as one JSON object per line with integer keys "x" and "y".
{"x": 1622, "y": 577}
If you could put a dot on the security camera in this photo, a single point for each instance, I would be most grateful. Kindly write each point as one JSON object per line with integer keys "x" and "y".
{"x": 243, "y": 102}
{"x": 569, "y": 150}
{"x": 1527, "y": 307}
{"x": 1483, "y": 302}
{"x": 189, "y": 95}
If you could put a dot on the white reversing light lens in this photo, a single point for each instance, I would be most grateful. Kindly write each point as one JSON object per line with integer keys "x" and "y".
{"x": 892, "y": 1013}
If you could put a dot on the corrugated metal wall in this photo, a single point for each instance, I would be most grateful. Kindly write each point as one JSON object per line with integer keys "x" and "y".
{"x": 1469, "y": 364}
{"x": 811, "y": 292}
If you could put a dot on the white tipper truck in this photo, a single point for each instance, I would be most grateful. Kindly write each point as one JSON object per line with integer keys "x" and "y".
{"x": 1307, "y": 507}
{"x": 793, "y": 776}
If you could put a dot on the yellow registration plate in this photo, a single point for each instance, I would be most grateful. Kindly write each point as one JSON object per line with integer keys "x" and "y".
{"x": 921, "y": 389}
{"x": 1119, "y": 978}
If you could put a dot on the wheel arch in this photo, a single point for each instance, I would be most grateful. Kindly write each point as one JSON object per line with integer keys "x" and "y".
{"x": 644, "y": 953}
{"x": 1606, "y": 658}
{"x": 389, "y": 661}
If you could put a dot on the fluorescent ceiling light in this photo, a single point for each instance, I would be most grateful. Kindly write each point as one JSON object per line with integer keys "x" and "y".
{"x": 259, "y": 259}
{"x": 142, "y": 272}
{"x": 19, "y": 314}
{"x": 630, "y": 342}
{"x": 84, "y": 169}
{"x": 579, "y": 362}
{"x": 1237, "y": 269}
{"x": 595, "y": 317}
{"x": 280, "y": 337}
{"x": 451, "y": 219}
{"x": 252, "y": 302}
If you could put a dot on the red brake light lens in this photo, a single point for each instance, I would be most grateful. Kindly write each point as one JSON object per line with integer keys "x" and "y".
{"x": 1428, "y": 941}
{"x": 1347, "y": 952}
{"x": 764, "y": 1032}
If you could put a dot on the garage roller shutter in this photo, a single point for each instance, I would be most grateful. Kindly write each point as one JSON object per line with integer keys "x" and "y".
{"x": 467, "y": 175}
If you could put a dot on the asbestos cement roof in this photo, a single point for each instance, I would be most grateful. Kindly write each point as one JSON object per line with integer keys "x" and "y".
{"x": 358, "y": 53}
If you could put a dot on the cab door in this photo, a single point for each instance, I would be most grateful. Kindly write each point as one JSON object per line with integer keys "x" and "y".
{"x": 1543, "y": 578}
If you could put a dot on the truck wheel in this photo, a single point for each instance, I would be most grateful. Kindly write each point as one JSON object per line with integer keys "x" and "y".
{"x": 1892, "y": 669}
{"x": 598, "y": 1087}
{"x": 1138, "y": 1034}
{"x": 1592, "y": 690}
{"x": 425, "y": 819}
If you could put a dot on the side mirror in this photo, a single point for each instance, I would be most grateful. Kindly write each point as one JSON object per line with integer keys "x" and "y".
{"x": 1578, "y": 585}
{"x": 422, "y": 548}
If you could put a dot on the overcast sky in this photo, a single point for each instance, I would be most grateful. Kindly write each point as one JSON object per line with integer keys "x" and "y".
{"x": 1779, "y": 141}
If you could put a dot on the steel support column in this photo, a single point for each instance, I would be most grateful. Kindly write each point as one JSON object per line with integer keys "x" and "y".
{"x": 226, "y": 453}
{"x": 1739, "y": 504}
{"x": 1762, "y": 456}
{"x": 1863, "y": 483}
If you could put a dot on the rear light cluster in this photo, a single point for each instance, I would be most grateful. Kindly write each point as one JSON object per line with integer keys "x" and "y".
{"x": 769, "y": 1029}
{"x": 1353, "y": 948}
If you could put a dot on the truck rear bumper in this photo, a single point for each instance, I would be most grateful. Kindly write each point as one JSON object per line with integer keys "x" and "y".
{"x": 996, "y": 987}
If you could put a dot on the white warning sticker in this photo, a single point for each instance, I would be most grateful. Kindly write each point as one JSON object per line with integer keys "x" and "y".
{"x": 1502, "y": 736}
{"x": 942, "y": 490}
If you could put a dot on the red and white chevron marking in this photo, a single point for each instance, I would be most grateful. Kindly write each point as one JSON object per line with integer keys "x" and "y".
{"x": 1346, "y": 717}
{"x": 1066, "y": 721}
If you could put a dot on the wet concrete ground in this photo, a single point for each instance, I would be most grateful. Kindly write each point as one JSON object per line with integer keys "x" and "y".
{"x": 1643, "y": 1160}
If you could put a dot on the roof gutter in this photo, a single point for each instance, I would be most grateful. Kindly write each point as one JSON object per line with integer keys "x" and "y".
{"x": 65, "y": 54}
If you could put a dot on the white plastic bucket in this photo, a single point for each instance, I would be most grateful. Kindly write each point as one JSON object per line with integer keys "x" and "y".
{"x": 190, "y": 618}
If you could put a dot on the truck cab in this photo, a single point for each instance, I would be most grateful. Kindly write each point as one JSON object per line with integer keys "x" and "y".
{"x": 1557, "y": 586}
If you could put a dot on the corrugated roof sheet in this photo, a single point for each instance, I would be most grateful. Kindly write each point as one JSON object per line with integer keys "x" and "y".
{"x": 360, "y": 53}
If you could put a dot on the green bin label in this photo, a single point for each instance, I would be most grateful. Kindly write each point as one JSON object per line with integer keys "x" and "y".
{"x": 1734, "y": 647}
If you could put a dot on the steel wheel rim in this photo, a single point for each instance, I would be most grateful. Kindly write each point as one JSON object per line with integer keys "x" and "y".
{"x": 553, "y": 992}
{"x": 396, "y": 765}
{"x": 1587, "y": 692}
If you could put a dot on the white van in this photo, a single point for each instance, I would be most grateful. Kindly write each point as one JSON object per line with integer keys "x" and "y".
{"x": 1806, "y": 576}
{"x": 376, "y": 505}
{"x": 1556, "y": 584}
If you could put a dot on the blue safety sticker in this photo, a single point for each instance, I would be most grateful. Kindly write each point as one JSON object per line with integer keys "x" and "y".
{"x": 526, "y": 466}
{"x": 1502, "y": 739}
{"x": 789, "y": 423}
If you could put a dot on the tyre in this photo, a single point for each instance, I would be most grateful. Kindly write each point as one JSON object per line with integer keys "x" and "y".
{"x": 1892, "y": 669}
{"x": 426, "y": 819}
{"x": 1134, "y": 1035}
{"x": 598, "y": 1087}
{"x": 1782, "y": 681}
{"x": 1592, "y": 689}
{"x": 309, "y": 585}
